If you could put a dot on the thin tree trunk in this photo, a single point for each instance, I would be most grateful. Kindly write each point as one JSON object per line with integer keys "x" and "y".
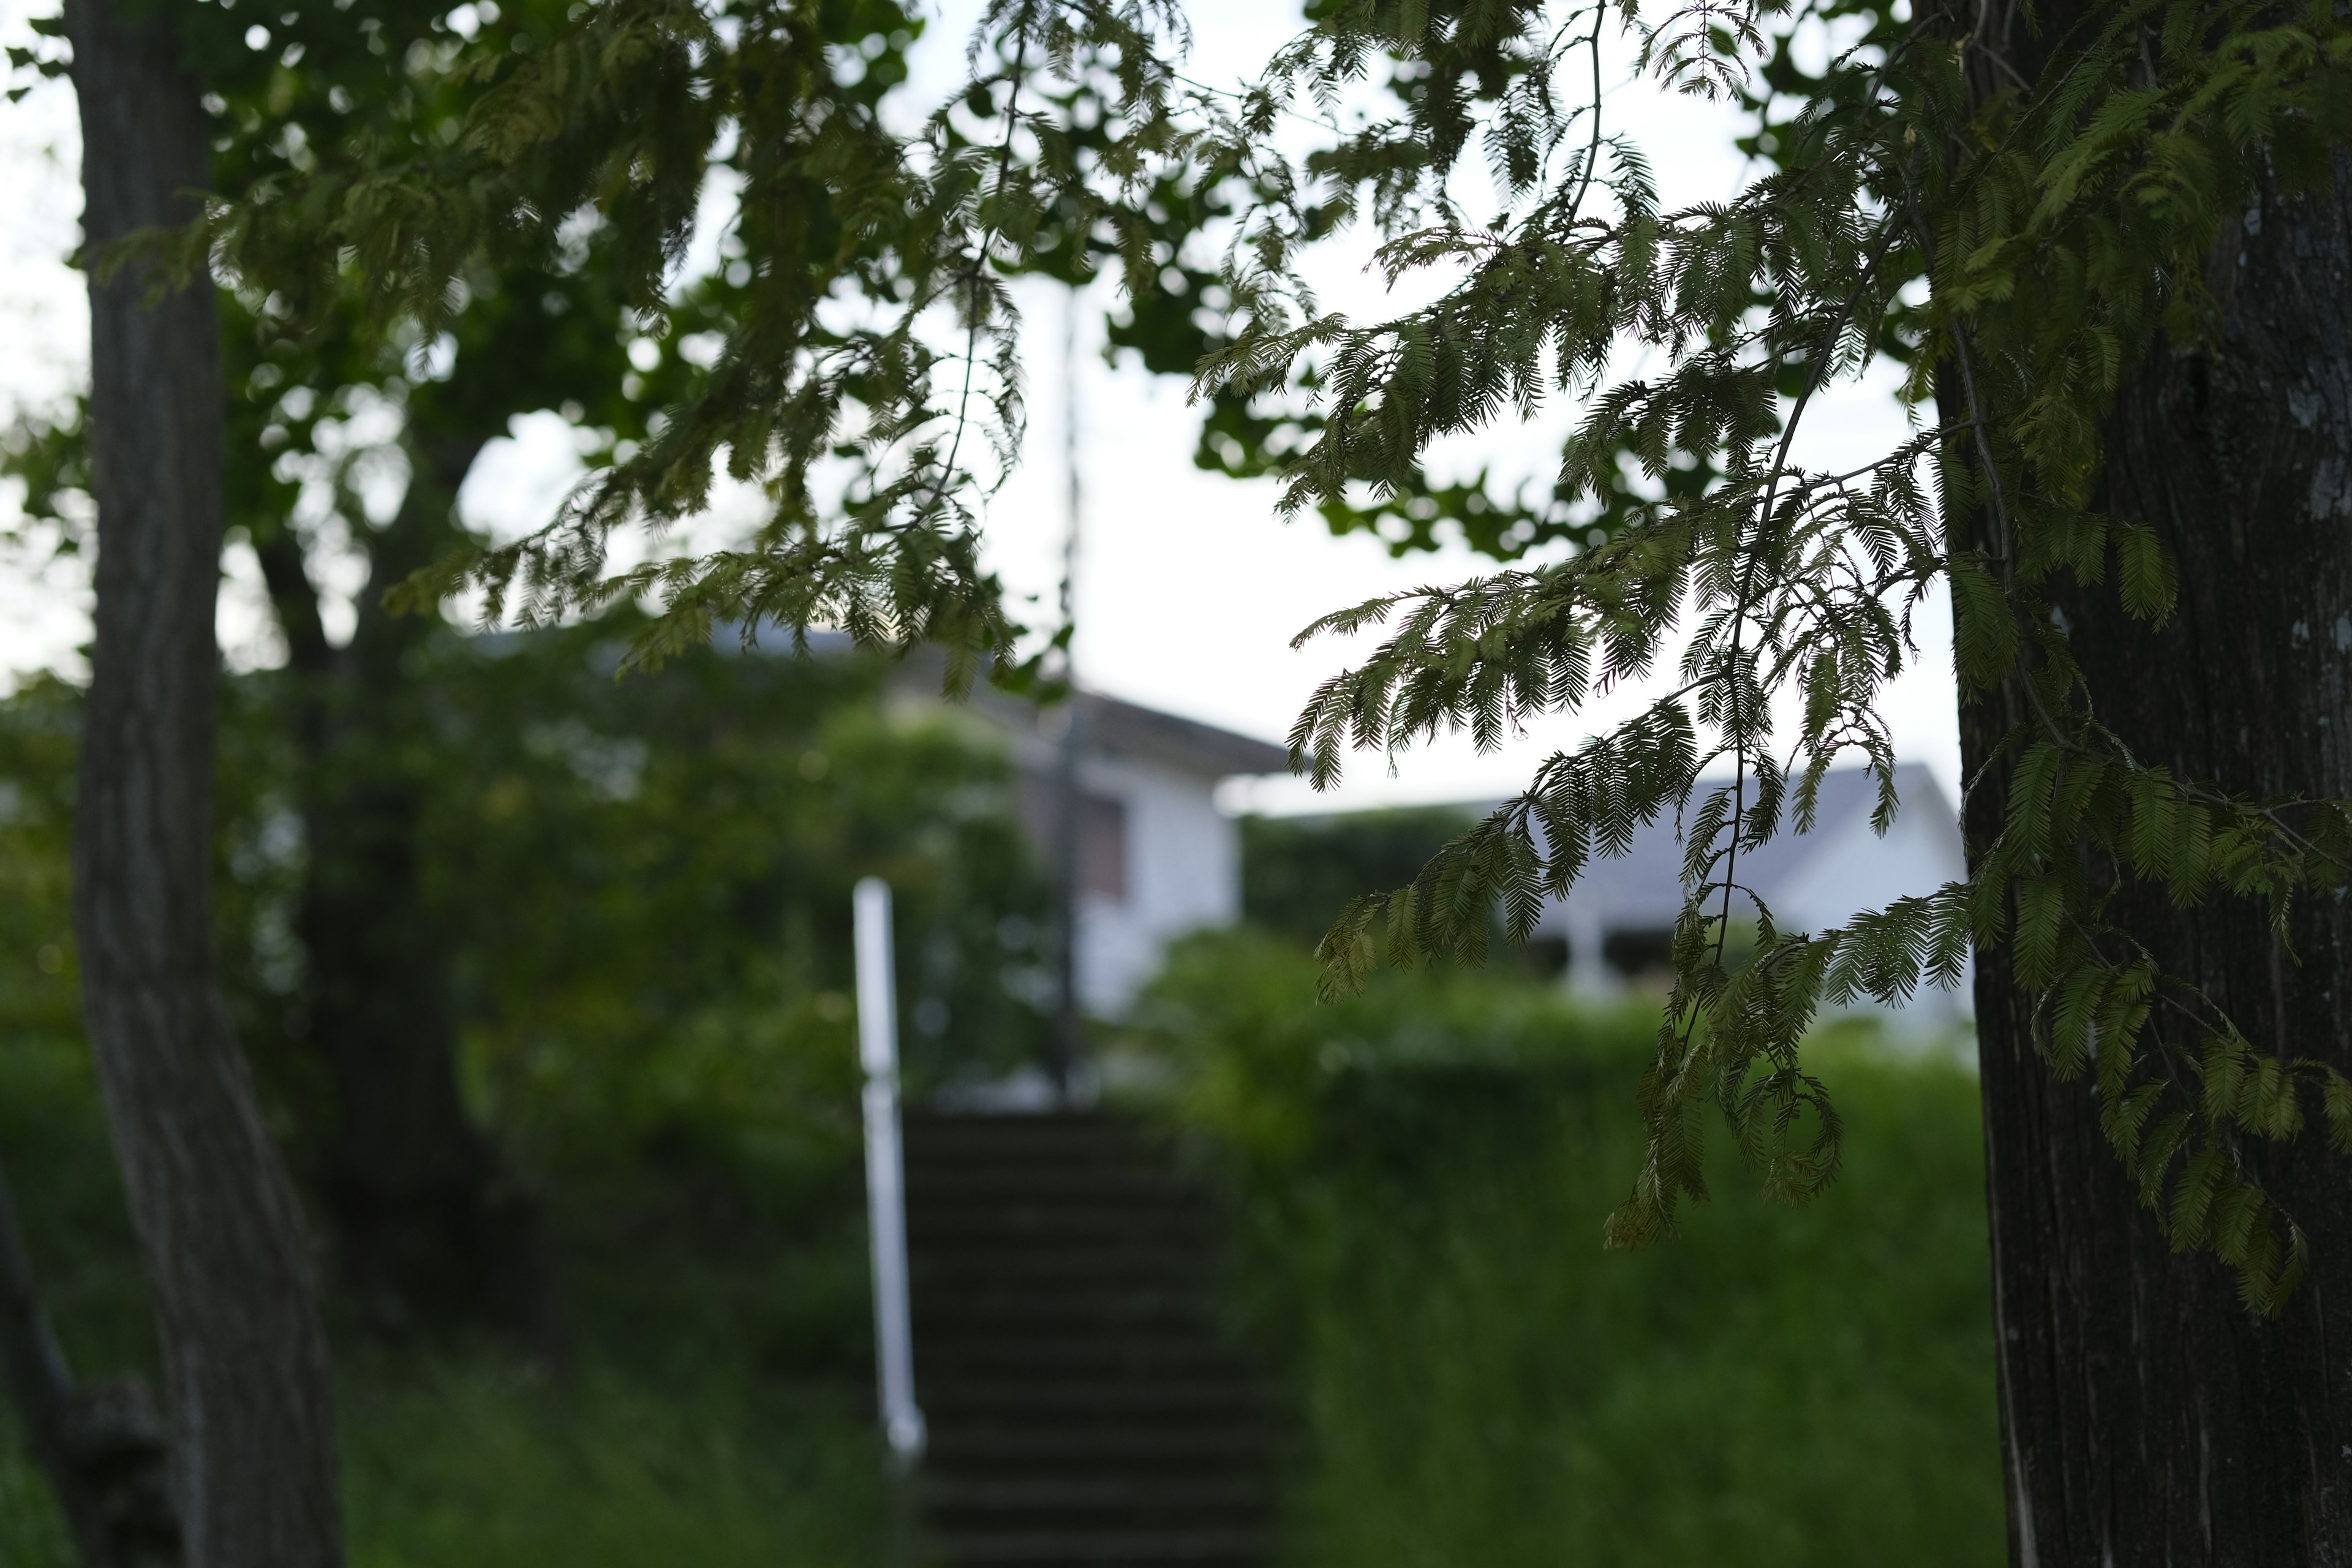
{"x": 251, "y": 1432}
{"x": 2147, "y": 1416}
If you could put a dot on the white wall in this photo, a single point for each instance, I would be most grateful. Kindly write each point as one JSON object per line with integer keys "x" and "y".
{"x": 1183, "y": 872}
{"x": 1853, "y": 870}
{"x": 1811, "y": 881}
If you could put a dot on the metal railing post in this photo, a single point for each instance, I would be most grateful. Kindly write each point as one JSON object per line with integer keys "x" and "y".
{"x": 885, "y": 1185}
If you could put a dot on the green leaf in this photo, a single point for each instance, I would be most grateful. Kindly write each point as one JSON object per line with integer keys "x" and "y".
{"x": 2144, "y": 573}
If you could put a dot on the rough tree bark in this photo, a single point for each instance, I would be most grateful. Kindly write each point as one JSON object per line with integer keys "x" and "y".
{"x": 430, "y": 1224}
{"x": 2147, "y": 1416}
{"x": 223, "y": 1239}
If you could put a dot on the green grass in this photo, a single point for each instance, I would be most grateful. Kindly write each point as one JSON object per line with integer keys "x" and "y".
{"x": 714, "y": 1411}
{"x": 481, "y": 1464}
{"x": 1422, "y": 1176}
{"x": 1478, "y": 1384}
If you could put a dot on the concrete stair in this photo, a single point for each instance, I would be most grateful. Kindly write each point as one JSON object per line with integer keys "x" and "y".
{"x": 1085, "y": 1405}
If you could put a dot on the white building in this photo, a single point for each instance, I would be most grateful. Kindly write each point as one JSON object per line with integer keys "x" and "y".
{"x": 1156, "y": 858}
{"x": 1618, "y": 919}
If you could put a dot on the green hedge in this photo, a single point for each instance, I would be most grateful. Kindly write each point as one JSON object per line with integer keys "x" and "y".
{"x": 1424, "y": 1172}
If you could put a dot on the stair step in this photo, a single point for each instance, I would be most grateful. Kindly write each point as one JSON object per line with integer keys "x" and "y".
{"x": 1060, "y": 1127}
{"x": 993, "y": 1196}
{"x": 1064, "y": 1261}
{"x": 1014, "y": 1401}
{"x": 1064, "y": 1452}
{"x": 1110, "y": 1549}
{"x": 1148, "y": 1494}
{"x": 1084, "y": 1405}
{"x": 958, "y": 1202}
{"x": 1076, "y": 1315}
{"x": 1016, "y": 1237}
{"x": 1060, "y": 1358}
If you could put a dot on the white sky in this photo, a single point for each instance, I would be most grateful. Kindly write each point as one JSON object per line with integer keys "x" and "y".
{"x": 1190, "y": 588}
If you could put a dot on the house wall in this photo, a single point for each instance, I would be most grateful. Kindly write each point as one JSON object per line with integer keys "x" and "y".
{"x": 1183, "y": 872}
{"x": 1853, "y": 870}
{"x": 1811, "y": 881}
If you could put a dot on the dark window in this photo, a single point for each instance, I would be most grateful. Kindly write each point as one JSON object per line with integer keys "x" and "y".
{"x": 1102, "y": 848}
{"x": 1639, "y": 953}
{"x": 1102, "y": 833}
{"x": 1546, "y": 955}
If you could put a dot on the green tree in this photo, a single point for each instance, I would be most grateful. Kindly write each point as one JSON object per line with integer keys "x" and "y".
{"x": 2102, "y": 240}
{"x": 417, "y": 1193}
{"x": 427, "y": 1223}
{"x": 640, "y": 886}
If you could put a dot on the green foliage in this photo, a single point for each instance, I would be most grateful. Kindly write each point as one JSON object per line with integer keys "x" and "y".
{"x": 1782, "y": 1387}
{"x": 2059, "y": 229}
{"x": 1299, "y": 873}
{"x": 40, "y": 994}
{"x": 647, "y": 879}
{"x": 602, "y": 1471}
{"x": 2016, "y": 244}
{"x": 642, "y": 885}
{"x": 645, "y": 885}
{"x": 617, "y": 121}
{"x": 54, "y": 1147}
{"x": 32, "y": 1532}
{"x": 713, "y": 1409}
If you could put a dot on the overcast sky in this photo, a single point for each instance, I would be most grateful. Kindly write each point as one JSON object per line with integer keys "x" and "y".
{"x": 1190, "y": 587}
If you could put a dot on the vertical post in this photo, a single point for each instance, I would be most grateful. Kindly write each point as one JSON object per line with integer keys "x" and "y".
{"x": 885, "y": 1190}
{"x": 1068, "y": 1023}
{"x": 1589, "y": 974}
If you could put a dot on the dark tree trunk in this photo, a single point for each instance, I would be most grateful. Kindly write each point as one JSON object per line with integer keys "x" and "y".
{"x": 430, "y": 1224}
{"x": 2147, "y": 1417}
{"x": 251, "y": 1434}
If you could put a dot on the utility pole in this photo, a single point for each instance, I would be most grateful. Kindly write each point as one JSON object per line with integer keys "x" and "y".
{"x": 1069, "y": 799}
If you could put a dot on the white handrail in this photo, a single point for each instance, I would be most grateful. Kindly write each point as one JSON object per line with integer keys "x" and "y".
{"x": 886, "y": 1185}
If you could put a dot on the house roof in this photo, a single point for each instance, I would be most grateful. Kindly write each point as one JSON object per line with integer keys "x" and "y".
{"x": 1112, "y": 725}
{"x": 1643, "y": 886}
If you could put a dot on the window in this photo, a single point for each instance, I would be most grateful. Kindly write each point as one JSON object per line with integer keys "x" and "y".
{"x": 1102, "y": 847}
{"x": 1101, "y": 837}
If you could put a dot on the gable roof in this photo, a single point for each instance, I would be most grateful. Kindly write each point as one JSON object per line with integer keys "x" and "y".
{"x": 1113, "y": 726}
{"x": 1187, "y": 744}
{"x": 1643, "y": 886}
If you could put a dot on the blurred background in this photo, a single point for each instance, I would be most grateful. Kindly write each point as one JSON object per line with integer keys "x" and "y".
{"x": 582, "y": 945}
{"x": 636, "y": 893}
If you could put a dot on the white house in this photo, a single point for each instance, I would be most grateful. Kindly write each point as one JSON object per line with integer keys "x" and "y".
{"x": 1156, "y": 858}
{"x": 1618, "y": 919}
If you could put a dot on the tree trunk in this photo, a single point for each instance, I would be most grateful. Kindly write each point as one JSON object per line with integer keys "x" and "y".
{"x": 2147, "y": 1416}
{"x": 430, "y": 1223}
{"x": 252, "y": 1438}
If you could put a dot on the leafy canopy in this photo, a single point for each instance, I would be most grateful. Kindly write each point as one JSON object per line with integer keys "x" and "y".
{"x": 2015, "y": 248}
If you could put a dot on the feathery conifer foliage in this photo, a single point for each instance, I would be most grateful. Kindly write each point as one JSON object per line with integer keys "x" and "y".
{"x": 2015, "y": 253}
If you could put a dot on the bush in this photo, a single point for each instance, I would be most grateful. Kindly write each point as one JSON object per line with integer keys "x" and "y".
{"x": 716, "y": 1410}
{"x": 1424, "y": 1170}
